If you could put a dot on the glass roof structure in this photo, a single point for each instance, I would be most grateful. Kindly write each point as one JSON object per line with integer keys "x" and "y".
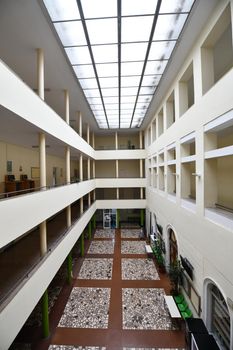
{"x": 119, "y": 50}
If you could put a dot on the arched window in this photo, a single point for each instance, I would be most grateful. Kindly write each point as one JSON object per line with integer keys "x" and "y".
{"x": 220, "y": 324}
{"x": 173, "y": 247}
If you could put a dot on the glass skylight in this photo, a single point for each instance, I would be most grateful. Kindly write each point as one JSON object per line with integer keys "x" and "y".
{"x": 119, "y": 57}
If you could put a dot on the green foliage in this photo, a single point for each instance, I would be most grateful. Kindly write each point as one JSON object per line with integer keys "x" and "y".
{"x": 175, "y": 274}
{"x": 158, "y": 253}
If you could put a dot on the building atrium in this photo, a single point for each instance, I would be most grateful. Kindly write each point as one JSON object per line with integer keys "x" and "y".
{"x": 116, "y": 175}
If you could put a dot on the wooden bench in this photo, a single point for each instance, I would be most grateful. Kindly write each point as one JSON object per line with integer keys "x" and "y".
{"x": 172, "y": 307}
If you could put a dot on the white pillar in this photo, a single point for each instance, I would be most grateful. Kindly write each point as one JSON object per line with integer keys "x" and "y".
{"x": 116, "y": 140}
{"x": 88, "y": 168}
{"x": 81, "y": 167}
{"x": 117, "y": 193}
{"x": 93, "y": 169}
{"x": 42, "y": 155}
{"x": 67, "y": 164}
{"x": 88, "y": 134}
{"x": 81, "y": 206}
{"x": 40, "y": 73}
{"x": 67, "y": 107}
{"x": 117, "y": 168}
{"x": 80, "y": 130}
{"x": 140, "y": 140}
{"x": 93, "y": 140}
{"x": 89, "y": 199}
{"x": 42, "y": 148}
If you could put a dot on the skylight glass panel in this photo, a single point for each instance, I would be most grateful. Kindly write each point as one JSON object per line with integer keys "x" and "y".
{"x": 128, "y": 99}
{"x": 97, "y": 108}
{"x": 110, "y": 92}
{"x": 131, "y": 68}
{"x": 107, "y": 70}
{"x": 125, "y": 125}
{"x": 127, "y": 105}
{"x": 147, "y": 90}
{"x": 88, "y": 83}
{"x": 78, "y": 55}
{"x": 144, "y": 99}
{"x": 102, "y": 31}
{"x": 105, "y": 53}
{"x": 71, "y": 33}
{"x": 161, "y": 50}
{"x": 111, "y": 106}
{"x": 94, "y": 100}
{"x": 92, "y": 93}
{"x": 149, "y": 80}
{"x": 111, "y": 99}
{"x": 129, "y": 91}
{"x": 108, "y": 82}
{"x": 100, "y": 8}
{"x": 138, "y": 7}
{"x": 99, "y": 114}
{"x": 133, "y": 51}
{"x": 130, "y": 81}
{"x": 176, "y": 6}
{"x": 60, "y": 10}
{"x": 169, "y": 26}
{"x": 85, "y": 71}
{"x": 136, "y": 28}
{"x": 155, "y": 67}
{"x": 112, "y": 112}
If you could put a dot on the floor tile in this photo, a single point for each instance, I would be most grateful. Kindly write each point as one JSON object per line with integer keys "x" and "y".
{"x": 145, "y": 308}
{"x": 101, "y": 247}
{"x": 138, "y": 269}
{"x": 130, "y": 233}
{"x": 104, "y": 233}
{"x": 86, "y": 308}
{"x": 96, "y": 269}
{"x": 132, "y": 247}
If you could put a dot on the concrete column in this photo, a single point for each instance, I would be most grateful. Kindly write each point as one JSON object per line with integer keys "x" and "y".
{"x": 81, "y": 167}
{"x": 117, "y": 168}
{"x": 67, "y": 106}
{"x": 94, "y": 195}
{"x": 93, "y": 140}
{"x": 40, "y": 73}
{"x": 80, "y": 129}
{"x": 81, "y": 206}
{"x": 88, "y": 134}
{"x": 42, "y": 162}
{"x": 88, "y": 168}
{"x": 89, "y": 199}
{"x": 93, "y": 168}
{"x": 117, "y": 193}
{"x": 140, "y": 139}
{"x": 42, "y": 155}
{"x": 141, "y": 192}
{"x": 116, "y": 140}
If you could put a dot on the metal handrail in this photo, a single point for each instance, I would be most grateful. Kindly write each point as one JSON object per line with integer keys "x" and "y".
{"x": 5, "y": 299}
{"x": 6, "y": 195}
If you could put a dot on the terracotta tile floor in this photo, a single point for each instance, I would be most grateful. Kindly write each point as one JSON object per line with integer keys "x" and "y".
{"x": 125, "y": 314}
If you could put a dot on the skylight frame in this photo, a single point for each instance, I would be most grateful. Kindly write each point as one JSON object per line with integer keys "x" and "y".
{"x": 95, "y": 73}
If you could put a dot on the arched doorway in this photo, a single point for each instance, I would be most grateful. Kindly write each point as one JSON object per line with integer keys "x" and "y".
{"x": 173, "y": 247}
{"x": 218, "y": 316}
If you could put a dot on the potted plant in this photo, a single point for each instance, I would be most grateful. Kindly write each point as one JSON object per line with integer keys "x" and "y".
{"x": 158, "y": 253}
{"x": 175, "y": 274}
